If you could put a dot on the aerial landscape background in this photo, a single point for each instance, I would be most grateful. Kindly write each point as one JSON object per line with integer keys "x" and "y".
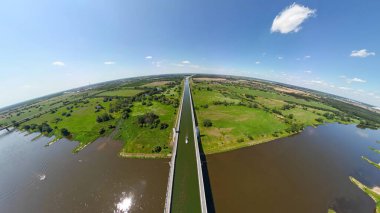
{"x": 189, "y": 106}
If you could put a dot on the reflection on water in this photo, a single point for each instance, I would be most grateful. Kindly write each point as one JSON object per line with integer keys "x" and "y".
{"x": 307, "y": 172}
{"x": 53, "y": 179}
{"x": 362, "y": 133}
{"x": 125, "y": 203}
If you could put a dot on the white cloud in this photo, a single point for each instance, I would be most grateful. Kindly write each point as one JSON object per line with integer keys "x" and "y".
{"x": 344, "y": 88}
{"x": 308, "y": 71}
{"x": 291, "y": 18}
{"x": 280, "y": 58}
{"x": 356, "y": 80}
{"x": 185, "y": 62}
{"x": 316, "y": 81}
{"x": 58, "y": 63}
{"x": 148, "y": 57}
{"x": 257, "y": 62}
{"x": 350, "y": 80}
{"x": 361, "y": 53}
{"x": 109, "y": 62}
{"x": 157, "y": 63}
{"x": 307, "y": 57}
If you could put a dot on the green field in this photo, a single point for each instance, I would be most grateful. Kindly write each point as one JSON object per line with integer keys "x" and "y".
{"x": 243, "y": 113}
{"x": 112, "y": 110}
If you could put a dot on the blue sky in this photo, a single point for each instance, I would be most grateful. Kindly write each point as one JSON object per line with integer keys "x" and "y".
{"x": 50, "y": 46}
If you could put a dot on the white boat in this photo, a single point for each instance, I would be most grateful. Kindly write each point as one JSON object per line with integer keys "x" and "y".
{"x": 42, "y": 177}
{"x": 187, "y": 141}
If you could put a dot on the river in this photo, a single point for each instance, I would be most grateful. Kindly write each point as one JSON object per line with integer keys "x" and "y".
{"x": 307, "y": 172}
{"x": 35, "y": 178}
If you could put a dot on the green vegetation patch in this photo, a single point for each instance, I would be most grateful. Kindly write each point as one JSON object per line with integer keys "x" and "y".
{"x": 237, "y": 126}
{"x": 146, "y": 138}
{"x": 375, "y": 150}
{"x": 371, "y": 162}
{"x": 157, "y": 83}
{"x": 141, "y": 118}
{"x": 243, "y": 113}
{"x": 79, "y": 120}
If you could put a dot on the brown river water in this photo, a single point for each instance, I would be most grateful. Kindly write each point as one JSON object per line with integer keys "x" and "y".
{"x": 34, "y": 178}
{"x": 307, "y": 172}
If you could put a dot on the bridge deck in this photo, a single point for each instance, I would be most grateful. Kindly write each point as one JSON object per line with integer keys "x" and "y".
{"x": 187, "y": 190}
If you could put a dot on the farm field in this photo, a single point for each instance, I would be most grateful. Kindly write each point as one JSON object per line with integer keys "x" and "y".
{"x": 122, "y": 92}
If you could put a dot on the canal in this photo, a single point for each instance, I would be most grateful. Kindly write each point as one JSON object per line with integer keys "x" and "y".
{"x": 186, "y": 196}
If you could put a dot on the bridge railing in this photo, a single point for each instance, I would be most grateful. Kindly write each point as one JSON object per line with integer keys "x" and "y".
{"x": 202, "y": 193}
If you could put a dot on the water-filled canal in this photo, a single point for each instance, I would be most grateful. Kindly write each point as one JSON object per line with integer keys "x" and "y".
{"x": 185, "y": 196}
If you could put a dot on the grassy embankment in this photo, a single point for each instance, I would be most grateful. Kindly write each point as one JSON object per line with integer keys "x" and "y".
{"x": 371, "y": 162}
{"x": 375, "y": 196}
{"x": 375, "y": 150}
{"x": 80, "y": 118}
{"x": 245, "y": 113}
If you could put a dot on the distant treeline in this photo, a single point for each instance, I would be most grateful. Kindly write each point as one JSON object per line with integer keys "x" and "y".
{"x": 354, "y": 110}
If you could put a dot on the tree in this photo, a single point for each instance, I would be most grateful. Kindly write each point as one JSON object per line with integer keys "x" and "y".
{"x": 164, "y": 126}
{"x": 26, "y": 127}
{"x": 44, "y": 128}
{"x": 102, "y": 131}
{"x": 65, "y": 132}
{"x": 207, "y": 123}
{"x": 148, "y": 119}
{"x": 157, "y": 149}
{"x": 103, "y": 117}
{"x": 295, "y": 127}
{"x": 240, "y": 140}
{"x": 320, "y": 120}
